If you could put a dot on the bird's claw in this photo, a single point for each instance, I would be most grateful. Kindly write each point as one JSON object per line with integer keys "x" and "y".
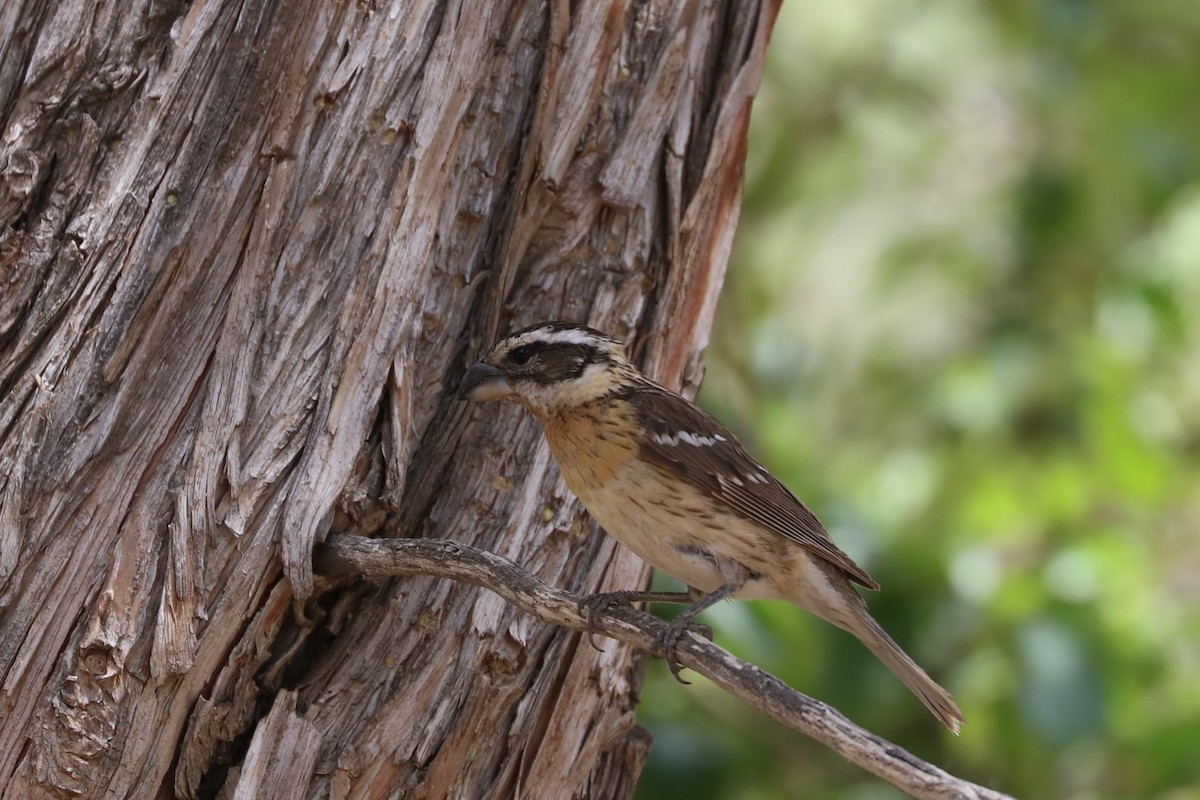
{"x": 669, "y": 642}
{"x": 597, "y": 605}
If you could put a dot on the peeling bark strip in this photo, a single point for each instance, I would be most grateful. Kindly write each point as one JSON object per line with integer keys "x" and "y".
{"x": 244, "y": 247}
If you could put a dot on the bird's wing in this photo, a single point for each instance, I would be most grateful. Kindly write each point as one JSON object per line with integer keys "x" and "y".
{"x": 686, "y": 441}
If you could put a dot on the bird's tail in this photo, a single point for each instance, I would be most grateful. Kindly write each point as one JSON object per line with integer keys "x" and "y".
{"x": 935, "y": 698}
{"x": 824, "y": 588}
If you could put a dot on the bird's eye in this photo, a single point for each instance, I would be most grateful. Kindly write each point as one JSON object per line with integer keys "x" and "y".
{"x": 521, "y": 355}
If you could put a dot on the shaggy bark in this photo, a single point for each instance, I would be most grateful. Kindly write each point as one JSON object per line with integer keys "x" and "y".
{"x": 246, "y": 251}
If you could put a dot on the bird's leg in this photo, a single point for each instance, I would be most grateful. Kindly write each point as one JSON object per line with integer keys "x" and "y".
{"x": 670, "y": 637}
{"x": 735, "y": 575}
{"x": 598, "y": 604}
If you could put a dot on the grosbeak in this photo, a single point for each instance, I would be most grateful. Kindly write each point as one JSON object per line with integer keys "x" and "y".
{"x": 672, "y": 484}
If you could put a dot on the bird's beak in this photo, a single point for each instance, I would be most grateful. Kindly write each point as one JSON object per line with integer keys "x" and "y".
{"x": 484, "y": 382}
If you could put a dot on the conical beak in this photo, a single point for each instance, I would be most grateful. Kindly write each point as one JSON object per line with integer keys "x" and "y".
{"x": 484, "y": 382}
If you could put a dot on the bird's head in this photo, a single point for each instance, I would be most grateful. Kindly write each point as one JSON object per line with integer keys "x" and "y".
{"x": 550, "y": 367}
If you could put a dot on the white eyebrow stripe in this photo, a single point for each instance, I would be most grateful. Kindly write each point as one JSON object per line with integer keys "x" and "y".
{"x": 564, "y": 336}
{"x": 687, "y": 437}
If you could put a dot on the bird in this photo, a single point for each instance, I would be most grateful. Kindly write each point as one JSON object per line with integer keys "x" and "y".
{"x": 671, "y": 483}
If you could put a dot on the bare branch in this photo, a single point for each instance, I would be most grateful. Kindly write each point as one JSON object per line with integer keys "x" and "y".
{"x": 345, "y": 555}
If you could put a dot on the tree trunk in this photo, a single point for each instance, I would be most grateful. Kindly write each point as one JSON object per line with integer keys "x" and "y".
{"x": 246, "y": 251}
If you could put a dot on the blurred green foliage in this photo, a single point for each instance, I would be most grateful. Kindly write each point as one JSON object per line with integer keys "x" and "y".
{"x": 961, "y": 321}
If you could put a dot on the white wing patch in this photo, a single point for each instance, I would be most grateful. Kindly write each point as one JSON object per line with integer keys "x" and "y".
{"x": 687, "y": 437}
{"x": 740, "y": 480}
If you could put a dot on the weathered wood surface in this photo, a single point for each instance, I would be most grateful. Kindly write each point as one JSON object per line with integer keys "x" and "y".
{"x": 246, "y": 250}
{"x": 345, "y": 554}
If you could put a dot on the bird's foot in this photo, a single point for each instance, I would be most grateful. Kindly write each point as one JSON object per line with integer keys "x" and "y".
{"x": 669, "y": 641}
{"x": 597, "y": 605}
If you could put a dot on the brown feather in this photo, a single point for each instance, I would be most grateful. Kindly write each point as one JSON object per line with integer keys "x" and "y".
{"x": 725, "y": 472}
